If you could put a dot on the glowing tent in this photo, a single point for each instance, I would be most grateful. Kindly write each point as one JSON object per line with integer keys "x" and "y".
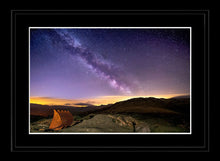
{"x": 61, "y": 119}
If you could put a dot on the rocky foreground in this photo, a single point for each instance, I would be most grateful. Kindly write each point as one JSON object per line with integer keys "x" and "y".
{"x": 106, "y": 123}
{"x": 109, "y": 123}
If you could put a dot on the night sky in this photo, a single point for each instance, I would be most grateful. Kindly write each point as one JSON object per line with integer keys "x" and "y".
{"x": 88, "y": 63}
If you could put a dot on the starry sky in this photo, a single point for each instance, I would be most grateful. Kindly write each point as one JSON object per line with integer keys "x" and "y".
{"x": 90, "y": 63}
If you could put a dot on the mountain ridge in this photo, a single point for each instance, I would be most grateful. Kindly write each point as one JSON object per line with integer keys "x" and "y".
{"x": 133, "y": 105}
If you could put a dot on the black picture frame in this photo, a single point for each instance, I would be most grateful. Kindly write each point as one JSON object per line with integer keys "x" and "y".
{"x": 198, "y": 141}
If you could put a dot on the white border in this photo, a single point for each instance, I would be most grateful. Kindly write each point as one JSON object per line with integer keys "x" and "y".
{"x": 83, "y": 133}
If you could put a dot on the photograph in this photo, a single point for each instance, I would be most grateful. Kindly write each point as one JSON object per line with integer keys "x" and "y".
{"x": 110, "y": 80}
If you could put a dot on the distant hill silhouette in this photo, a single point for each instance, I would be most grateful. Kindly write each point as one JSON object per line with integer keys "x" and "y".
{"x": 151, "y": 105}
{"x": 38, "y": 111}
{"x": 183, "y": 96}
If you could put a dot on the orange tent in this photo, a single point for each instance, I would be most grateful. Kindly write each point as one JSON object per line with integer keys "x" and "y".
{"x": 61, "y": 119}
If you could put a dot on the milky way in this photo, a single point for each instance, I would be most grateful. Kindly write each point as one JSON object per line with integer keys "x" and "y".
{"x": 101, "y": 67}
{"x": 84, "y": 62}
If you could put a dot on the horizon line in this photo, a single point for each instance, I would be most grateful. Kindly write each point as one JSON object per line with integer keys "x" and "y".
{"x": 98, "y": 101}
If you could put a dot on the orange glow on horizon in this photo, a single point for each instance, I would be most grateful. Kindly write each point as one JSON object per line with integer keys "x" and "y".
{"x": 103, "y": 100}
